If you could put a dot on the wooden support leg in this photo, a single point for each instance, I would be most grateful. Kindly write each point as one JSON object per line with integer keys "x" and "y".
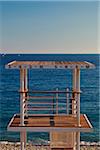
{"x": 74, "y": 140}
{"x": 77, "y": 140}
{"x": 23, "y": 140}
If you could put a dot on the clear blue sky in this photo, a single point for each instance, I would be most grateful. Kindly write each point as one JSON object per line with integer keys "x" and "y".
{"x": 49, "y": 27}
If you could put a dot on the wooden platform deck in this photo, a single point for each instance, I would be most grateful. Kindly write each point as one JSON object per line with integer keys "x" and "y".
{"x": 47, "y": 123}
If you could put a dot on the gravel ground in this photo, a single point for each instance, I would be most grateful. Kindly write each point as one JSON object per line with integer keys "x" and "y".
{"x": 30, "y": 147}
{"x": 12, "y": 146}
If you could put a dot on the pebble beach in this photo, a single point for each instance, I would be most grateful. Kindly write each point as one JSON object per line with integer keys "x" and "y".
{"x": 16, "y": 146}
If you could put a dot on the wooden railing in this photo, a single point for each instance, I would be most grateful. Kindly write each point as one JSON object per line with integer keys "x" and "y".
{"x": 51, "y": 102}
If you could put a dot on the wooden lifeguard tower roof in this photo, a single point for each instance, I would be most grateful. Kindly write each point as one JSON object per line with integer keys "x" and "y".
{"x": 49, "y": 64}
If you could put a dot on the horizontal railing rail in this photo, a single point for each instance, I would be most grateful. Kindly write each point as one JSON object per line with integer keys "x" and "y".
{"x": 50, "y": 91}
{"x": 53, "y": 102}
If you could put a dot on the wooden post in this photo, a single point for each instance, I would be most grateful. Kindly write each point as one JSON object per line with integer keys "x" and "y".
{"x": 23, "y": 88}
{"x": 78, "y": 108}
{"x": 26, "y": 89}
{"x": 74, "y": 79}
{"x": 77, "y": 140}
{"x": 57, "y": 101}
{"x": 76, "y": 88}
{"x": 22, "y": 140}
{"x": 22, "y": 95}
{"x": 78, "y": 96}
{"x": 25, "y": 78}
{"x": 67, "y": 101}
{"x": 74, "y": 94}
{"x": 74, "y": 104}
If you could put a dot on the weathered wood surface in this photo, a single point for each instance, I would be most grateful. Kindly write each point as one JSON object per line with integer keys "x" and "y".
{"x": 62, "y": 140}
{"x": 49, "y": 64}
{"x": 67, "y": 121}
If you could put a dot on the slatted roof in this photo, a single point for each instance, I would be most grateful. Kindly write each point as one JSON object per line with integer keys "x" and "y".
{"x": 49, "y": 64}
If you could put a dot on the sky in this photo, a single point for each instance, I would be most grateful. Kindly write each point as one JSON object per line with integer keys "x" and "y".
{"x": 49, "y": 27}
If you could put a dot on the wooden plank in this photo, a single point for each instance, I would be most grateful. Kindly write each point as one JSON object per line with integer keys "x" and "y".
{"x": 59, "y": 121}
{"x": 38, "y": 103}
{"x": 54, "y": 91}
{"x": 49, "y": 64}
{"x": 43, "y": 108}
{"x": 61, "y": 139}
{"x": 39, "y": 97}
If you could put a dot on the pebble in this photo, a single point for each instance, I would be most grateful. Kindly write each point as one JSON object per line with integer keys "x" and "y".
{"x": 4, "y": 145}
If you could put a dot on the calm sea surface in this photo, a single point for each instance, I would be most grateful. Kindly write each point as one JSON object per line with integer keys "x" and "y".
{"x": 48, "y": 79}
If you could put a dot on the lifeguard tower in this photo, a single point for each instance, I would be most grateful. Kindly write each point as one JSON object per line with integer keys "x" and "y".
{"x": 64, "y": 128}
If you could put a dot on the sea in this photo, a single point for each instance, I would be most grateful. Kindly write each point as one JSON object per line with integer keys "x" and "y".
{"x": 48, "y": 79}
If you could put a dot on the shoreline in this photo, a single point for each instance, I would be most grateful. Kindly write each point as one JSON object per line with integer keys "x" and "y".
{"x": 5, "y": 145}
